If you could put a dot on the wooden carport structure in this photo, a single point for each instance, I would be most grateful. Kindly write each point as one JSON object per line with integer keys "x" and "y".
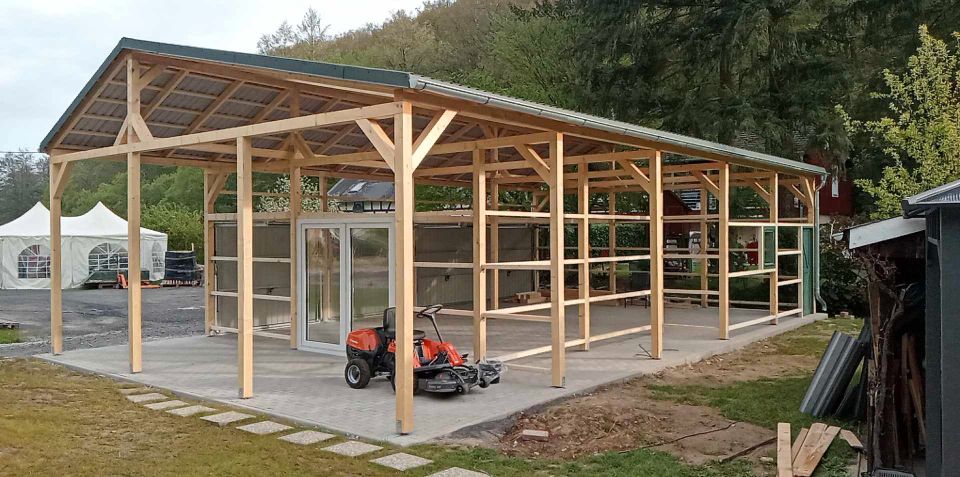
{"x": 235, "y": 113}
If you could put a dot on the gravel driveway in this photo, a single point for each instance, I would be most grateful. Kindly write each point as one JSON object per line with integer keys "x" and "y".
{"x": 94, "y": 318}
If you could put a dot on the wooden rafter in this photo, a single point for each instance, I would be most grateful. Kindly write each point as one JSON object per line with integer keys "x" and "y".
{"x": 631, "y": 167}
{"x": 430, "y": 134}
{"x": 379, "y": 138}
{"x": 537, "y": 163}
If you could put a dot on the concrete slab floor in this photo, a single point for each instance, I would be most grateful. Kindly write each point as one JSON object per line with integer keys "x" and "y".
{"x": 309, "y": 389}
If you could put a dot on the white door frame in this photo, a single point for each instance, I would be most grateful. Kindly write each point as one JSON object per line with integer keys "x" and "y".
{"x": 344, "y": 224}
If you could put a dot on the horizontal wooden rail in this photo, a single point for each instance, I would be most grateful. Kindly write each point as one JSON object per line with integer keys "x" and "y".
{"x": 794, "y": 281}
{"x": 686, "y": 291}
{"x": 755, "y": 321}
{"x": 255, "y": 259}
{"x": 517, "y": 317}
{"x": 517, "y": 213}
{"x": 615, "y": 258}
{"x": 569, "y": 344}
{"x": 789, "y": 252}
{"x": 746, "y": 273}
{"x": 521, "y": 308}
{"x": 798, "y": 311}
{"x": 255, "y": 296}
{"x": 443, "y": 265}
{"x": 522, "y": 265}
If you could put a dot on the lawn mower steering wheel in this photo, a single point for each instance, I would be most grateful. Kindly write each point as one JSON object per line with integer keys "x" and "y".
{"x": 429, "y": 311}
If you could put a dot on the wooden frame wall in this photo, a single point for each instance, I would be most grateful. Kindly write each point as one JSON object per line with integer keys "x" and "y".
{"x": 557, "y": 170}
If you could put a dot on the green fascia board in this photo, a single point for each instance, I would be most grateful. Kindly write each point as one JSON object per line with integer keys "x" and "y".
{"x": 400, "y": 79}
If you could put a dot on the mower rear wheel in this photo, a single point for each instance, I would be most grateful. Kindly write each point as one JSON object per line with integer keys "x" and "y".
{"x": 357, "y": 373}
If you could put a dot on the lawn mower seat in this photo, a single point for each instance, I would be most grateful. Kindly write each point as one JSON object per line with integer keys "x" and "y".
{"x": 390, "y": 325}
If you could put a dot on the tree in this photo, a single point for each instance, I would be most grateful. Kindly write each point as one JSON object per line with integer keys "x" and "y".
{"x": 920, "y": 135}
{"x": 23, "y": 180}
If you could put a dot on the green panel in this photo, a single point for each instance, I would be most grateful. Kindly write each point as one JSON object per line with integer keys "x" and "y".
{"x": 807, "y": 270}
{"x": 769, "y": 247}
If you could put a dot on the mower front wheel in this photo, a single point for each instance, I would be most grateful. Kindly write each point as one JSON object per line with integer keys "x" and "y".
{"x": 357, "y": 373}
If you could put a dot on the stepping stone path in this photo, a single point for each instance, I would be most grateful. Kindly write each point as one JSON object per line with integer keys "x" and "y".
{"x": 401, "y": 461}
{"x": 352, "y": 448}
{"x": 304, "y": 438}
{"x": 160, "y": 406}
{"x": 264, "y": 427}
{"x": 191, "y": 410}
{"x": 133, "y": 390}
{"x": 458, "y": 472}
{"x": 146, "y": 397}
{"x": 225, "y": 418}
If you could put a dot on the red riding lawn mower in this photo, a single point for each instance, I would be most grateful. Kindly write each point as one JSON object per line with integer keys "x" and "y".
{"x": 437, "y": 366}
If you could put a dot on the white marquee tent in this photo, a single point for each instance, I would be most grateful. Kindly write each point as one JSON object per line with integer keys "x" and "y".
{"x": 93, "y": 241}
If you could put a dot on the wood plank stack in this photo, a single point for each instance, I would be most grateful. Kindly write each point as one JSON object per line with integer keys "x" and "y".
{"x": 802, "y": 457}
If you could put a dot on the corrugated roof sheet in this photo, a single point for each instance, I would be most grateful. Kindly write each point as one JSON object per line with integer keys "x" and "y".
{"x": 194, "y": 94}
{"x": 945, "y": 195}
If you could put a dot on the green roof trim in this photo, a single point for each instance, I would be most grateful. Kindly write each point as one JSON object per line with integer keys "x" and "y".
{"x": 400, "y": 79}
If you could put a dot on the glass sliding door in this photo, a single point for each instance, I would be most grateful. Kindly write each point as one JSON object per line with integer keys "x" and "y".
{"x": 346, "y": 279}
{"x": 321, "y": 277}
{"x": 369, "y": 269}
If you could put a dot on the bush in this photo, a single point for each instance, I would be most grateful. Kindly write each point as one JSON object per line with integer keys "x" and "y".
{"x": 183, "y": 226}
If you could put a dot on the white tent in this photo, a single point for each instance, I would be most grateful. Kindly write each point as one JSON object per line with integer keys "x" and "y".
{"x": 93, "y": 241}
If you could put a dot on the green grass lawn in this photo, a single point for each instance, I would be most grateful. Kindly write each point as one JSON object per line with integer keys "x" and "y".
{"x": 64, "y": 423}
{"x": 8, "y": 336}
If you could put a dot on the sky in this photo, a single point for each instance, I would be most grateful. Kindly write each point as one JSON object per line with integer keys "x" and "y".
{"x": 51, "y": 48}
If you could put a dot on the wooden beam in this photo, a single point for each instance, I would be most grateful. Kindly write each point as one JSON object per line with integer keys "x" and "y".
{"x": 430, "y": 135}
{"x": 723, "y": 232}
{"x": 381, "y": 142}
{"x": 296, "y": 197}
{"x": 59, "y": 173}
{"x": 134, "y": 292}
{"x": 784, "y": 460}
{"x": 212, "y": 181}
{"x": 638, "y": 175}
{"x": 219, "y": 135}
{"x": 704, "y": 245}
{"x": 135, "y": 123}
{"x": 656, "y": 256}
{"x": 612, "y": 240}
{"x": 554, "y": 177}
{"x": 707, "y": 184}
{"x": 774, "y": 206}
{"x": 244, "y": 268}
{"x": 539, "y": 165}
{"x": 164, "y": 92}
{"x": 405, "y": 293}
{"x": 760, "y": 190}
{"x": 583, "y": 253}
{"x": 479, "y": 256}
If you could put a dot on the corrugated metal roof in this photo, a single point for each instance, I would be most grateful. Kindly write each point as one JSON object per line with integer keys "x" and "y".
{"x": 402, "y": 80}
{"x": 945, "y": 195}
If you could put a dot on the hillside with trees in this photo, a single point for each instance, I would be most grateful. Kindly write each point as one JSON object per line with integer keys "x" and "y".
{"x": 871, "y": 85}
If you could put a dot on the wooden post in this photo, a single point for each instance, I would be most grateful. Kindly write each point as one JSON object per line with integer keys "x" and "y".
{"x": 557, "y": 287}
{"x": 58, "y": 181}
{"x": 134, "y": 292}
{"x": 479, "y": 256}
{"x": 656, "y": 256}
{"x": 296, "y": 194}
{"x": 536, "y": 241}
{"x": 704, "y": 245}
{"x": 244, "y": 267}
{"x": 613, "y": 242}
{"x": 723, "y": 238}
{"x": 210, "y": 179}
{"x": 404, "y": 185}
{"x": 494, "y": 238}
{"x": 583, "y": 252}
{"x": 775, "y": 273}
{"x": 134, "y": 326}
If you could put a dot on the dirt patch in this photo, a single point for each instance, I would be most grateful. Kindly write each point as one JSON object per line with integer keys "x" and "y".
{"x": 625, "y": 416}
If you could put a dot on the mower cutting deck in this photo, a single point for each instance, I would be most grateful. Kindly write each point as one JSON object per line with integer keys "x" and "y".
{"x": 437, "y": 366}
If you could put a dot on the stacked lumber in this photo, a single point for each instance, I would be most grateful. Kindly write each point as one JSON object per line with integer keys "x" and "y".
{"x": 802, "y": 457}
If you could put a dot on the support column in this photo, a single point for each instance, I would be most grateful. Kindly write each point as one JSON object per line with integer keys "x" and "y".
{"x": 774, "y": 205}
{"x": 244, "y": 268}
{"x": 656, "y": 256}
{"x": 557, "y": 287}
{"x": 479, "y": 256}
{"x": 494, "y": 238}
{"x": 704, "y": 246}
{"x": 58, "y": 181}
{"x": 404, "y": 185}
{"x": 209, "y": 274}
{"x": 296, "y": 196}
{"x": 612, "y": 202}
{"x": 134, "y": 325}
{"x": 583, "y": 252}
{"x": 723, "y": 238}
